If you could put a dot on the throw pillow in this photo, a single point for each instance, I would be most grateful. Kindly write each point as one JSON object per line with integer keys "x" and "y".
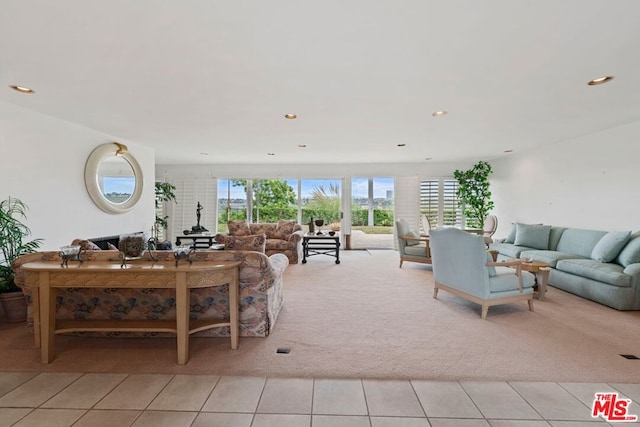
{"x": 630, "y": 254}
{"x": 492, "y": 269}
{"x": 256, "y": 242}
{"x": 284, "y": 229}
{"x": 86, "y": 245}
{"x": 415, "y": 236}
{"x": 532, "y": 235}
{"x": 610, "y": 245}
{"x": 239, "y": 228}
{"x": 511, "y": 237}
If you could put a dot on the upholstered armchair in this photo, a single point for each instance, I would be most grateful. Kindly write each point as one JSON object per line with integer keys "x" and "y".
{"x": 411, "y": 245}
{"x": 462, "y": 266}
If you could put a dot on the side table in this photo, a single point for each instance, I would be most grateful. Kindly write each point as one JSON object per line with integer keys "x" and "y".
{"x": 313, "y": 244}
{"x": 541, "y": 271}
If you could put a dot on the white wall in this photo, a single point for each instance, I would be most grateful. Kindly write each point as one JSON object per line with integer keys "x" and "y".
{"x": 587, "y": 182}
{"x": 42, "y": 163}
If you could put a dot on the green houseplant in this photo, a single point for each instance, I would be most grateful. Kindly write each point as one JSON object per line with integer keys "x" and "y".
{"x": 473, "y": 192}
{"x": 12, "y": 244}
{"x": 164, "y": 193}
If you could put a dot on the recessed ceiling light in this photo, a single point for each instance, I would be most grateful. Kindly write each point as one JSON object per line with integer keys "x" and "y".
{"x": 428, "y": 158}
{"x": 402, "y": 145}
{"x": 271, "y": 154}
{"x": 204, "y": 154}
{"x": 302, "y": 145}
{"x": 290, "y": 116}
{"x": 508, "y": 151}
{"x": 439, "y": 113}
{"x": 600, "y": 81}
{"x": 22, "y": 89}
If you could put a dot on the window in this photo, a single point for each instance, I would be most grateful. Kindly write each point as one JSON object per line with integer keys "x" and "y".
{"x": 439, "y": 201}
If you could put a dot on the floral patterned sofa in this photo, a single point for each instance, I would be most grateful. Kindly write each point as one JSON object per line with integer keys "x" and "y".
{"x": 284, "y": 237}
{"x": 260, "y": 279}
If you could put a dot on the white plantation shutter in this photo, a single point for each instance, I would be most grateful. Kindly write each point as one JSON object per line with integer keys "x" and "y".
{"x": 407, "y": 202}
{"x": 189, "y": 192}
{"x": 438, "y": 200}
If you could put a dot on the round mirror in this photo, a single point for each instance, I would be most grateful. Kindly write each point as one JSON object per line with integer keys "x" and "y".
{"x": 113, "y": 178}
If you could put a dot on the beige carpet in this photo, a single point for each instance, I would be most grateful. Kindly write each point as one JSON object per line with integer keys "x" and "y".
{"x": 367, "y": 318}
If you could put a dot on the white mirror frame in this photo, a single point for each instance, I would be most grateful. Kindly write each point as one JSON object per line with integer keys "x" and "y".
{"x": 91, "y": 178}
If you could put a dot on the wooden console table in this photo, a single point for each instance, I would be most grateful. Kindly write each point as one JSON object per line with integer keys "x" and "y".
{"x": 45, "y": 278}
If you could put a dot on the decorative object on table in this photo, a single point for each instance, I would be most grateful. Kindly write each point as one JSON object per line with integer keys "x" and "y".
{"x": 164, "y": 193}
{"x": 319, "y": 223}
{"x": 183, "y": 252}
{"x": 198, "y": 228}
{"x": 473, "y": 192}
{"x": 70, "y": 252}
{"x": 311, "y": 226}
{"x": 12, "y": 245}
{"x": 132, "y": 246}
{"x": 332, "y": 233}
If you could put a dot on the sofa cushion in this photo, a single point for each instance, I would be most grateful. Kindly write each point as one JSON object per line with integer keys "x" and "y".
{"x": 554, "y": 236}
{"x": 254, "y": 242}
{"x": 278, "y": 244}
{"x": 549, "y": 257}
{"x": 532, "y": 235}
{"x": 284, "y": 229}
{"x": 508, "y": 249}
{"x": 86, "y": 245}
{"x": 610, "y": 245}
{"x": 602, "y": 272}
{"x": 579, "y": 242}
{"x": 511, "y": 237}
{"x": 416, "y": 250}
{"x": 630, "y": 254}
{"x": 239, "y": 228}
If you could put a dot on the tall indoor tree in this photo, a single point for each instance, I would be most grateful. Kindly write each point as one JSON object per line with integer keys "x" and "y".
{"x": 474, "y": 193}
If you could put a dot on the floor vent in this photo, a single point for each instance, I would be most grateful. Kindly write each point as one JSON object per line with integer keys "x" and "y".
{"x": 630, "y": 356}
{"x": 283, "y": 351}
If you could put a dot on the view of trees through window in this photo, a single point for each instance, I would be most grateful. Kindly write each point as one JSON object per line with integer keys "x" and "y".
{"x": 372, "y": 205}
{"x": 269, "y": 200}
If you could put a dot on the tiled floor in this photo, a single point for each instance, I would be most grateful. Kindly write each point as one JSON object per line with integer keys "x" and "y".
{"x": 65, "y": 399}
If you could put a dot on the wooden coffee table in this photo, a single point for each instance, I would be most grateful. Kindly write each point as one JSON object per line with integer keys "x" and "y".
{"x": 541, "y": 271}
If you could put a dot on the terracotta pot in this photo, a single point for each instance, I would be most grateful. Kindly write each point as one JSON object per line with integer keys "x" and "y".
{"x": 14, "y": 306}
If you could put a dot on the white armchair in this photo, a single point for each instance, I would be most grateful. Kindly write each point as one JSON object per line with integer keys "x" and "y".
{"x": 462, "y": 266}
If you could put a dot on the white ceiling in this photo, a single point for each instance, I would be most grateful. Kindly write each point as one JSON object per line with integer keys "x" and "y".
{"x": 188, "y": 77}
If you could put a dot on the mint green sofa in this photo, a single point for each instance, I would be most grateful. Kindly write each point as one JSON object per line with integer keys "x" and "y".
{"x": 597, "y": 265}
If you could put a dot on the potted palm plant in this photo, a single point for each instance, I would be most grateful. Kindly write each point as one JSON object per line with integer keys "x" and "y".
{"x": 12, "y": 245}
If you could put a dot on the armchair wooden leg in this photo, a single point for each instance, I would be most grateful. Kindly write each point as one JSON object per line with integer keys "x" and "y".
{"x": 485, "y": 310}
{"x": 435, "y": 292}
{"x": 400, "y": 262}
{"x": 530, "y": 304}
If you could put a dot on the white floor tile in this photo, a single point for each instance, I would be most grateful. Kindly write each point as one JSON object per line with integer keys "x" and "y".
{"x": 445, "y": 399}
{"x": 135, "y": 392}
{"x": 340, "y": 421}
{"x": 37, "y": 390}
{"x": 281, "y": 420}
{"x": 552, "y": 401}
{"x": 209, "y": 419}
{"x": 11, "y": 380}
{"x": 165, "y": 419}
{"x": 107, "y": 418}
{"x": 51, "y": 418}
{"x": 399, "y": 422}
{"x": 499, "y": 400}
{"x": 518, "y": 423}
{"x": 185, "y": 393}
{"x": 452, "y": 422}
{"x": 85, "y": 392}
{"x": 286, "y": 396}
{"x": 235, "y": 394}
{"x": 339, "y": 397}
{"x": 8, "y": 416}
{"x": 392, "y": 398}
